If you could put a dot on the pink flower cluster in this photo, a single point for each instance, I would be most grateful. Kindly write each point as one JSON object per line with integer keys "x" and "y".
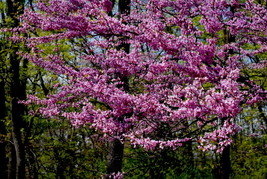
{"x": 218, "y": 139}
{"x": 180, "y": 74}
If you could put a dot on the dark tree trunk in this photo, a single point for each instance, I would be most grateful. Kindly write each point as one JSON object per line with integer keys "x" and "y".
{"x": 12, "y": 163}
{"x": 3, "y": 132}
{"x": 124, "y": 6}
{"x": 115, "y": 155}
{"x": 17, "y": 111}
{"x": 225, "y": 164}
{"x": 17, "y": 91}
{"x": 33, "y": 169}
{"x": 189, "y": 154}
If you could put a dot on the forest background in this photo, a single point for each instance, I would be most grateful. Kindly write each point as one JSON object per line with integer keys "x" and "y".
{"x": 33, "y": 146}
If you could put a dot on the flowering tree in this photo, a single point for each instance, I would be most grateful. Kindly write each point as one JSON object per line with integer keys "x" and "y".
{"x": 156, "y": 73}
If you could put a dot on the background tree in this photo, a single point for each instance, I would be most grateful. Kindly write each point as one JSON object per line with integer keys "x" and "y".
{"x": 13, "y": 69}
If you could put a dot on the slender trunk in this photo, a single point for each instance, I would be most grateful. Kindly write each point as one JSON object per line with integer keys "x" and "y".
{"x": 225, "y": 164}
{"x": 225, "y": 167}
{"x": 17, "y": 91}
{"x": 189, "y": 154}
{"x": 32, "y": 165}
{"x": 116, "y": 147}
{"x": 115, "y": 157}
{"x": 3, "y": 114}
{"x": 188, "y": 148}
{"x": 12, "y": 163}
{"x": 17, "y": 112}
{"x": 3, "y": 142}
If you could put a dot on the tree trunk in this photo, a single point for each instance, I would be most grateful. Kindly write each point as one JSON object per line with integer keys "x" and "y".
{"x": 124, "y": 7}
{"x": 3, "y": 132}
{"x": 189, "y": 154}
{"x": 17, "y": 91}
{"x": 17, "y": 112}
{"x": 12, "y": 163}
{"x": 115, "y": 155}
{"x": 225, "y": 164}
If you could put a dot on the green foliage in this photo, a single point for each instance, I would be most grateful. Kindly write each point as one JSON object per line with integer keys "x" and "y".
{"x": 2, "y": 6}
{"x": 249, "y": 157}
{"x": 64, "y": 151}
{"x": 166, "y": 164}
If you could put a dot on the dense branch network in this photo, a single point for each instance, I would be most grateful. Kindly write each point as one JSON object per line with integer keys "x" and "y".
{"x": 184, "y": 71}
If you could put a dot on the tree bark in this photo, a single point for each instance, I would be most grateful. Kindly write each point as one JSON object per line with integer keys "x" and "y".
{"x": 3, "y": 132}
{"x": 115, "y": 157}
{"x": 225, "y": 164}
{"x": 116, "y": 147}
{"x": 17, "y": 91}
{"x": 124, "y": 7}
{"x": 12, "y": 163}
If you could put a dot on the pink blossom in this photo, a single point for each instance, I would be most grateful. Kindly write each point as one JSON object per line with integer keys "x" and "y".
{"x": 173, "y": 79}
